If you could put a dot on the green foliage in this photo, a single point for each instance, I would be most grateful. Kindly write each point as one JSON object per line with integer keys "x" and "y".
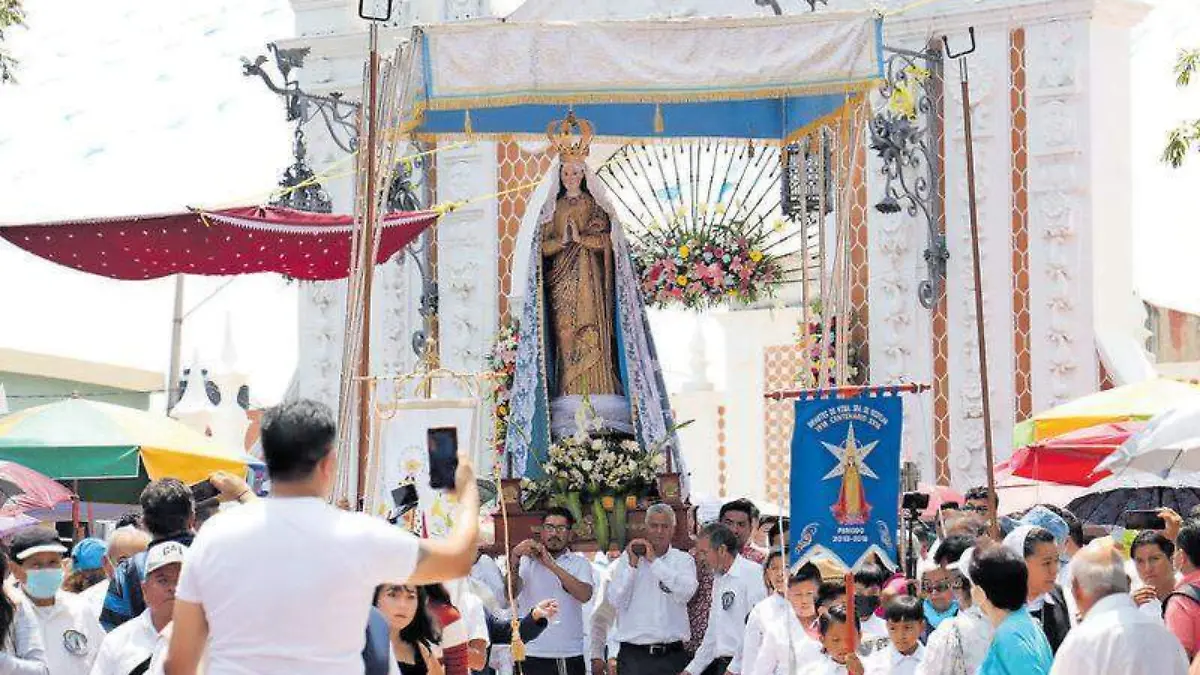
{"x": 11, "y": 14}
{"x": 1184, "y": 138}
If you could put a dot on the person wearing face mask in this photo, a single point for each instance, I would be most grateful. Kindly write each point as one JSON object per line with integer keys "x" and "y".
{"x": 868, "y": 586}
{"x": 1045, "y": 600}
{"x": 70, "y": 631}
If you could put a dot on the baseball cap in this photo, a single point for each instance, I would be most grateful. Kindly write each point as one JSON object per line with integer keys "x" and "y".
{"x": 166, "y": 553}
{"x": 88, "y": 554}
{"x": 33, "y": 541}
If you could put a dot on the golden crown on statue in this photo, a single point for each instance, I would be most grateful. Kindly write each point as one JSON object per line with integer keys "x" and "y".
{"x": 570, "y": 148}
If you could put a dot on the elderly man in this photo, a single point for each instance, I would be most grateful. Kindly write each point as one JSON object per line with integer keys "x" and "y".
{"x": 123, "y": 544}
{"x": 1114, "y": 637}
{"x": 737, "y": 587}
{"x": 650, "y": 589}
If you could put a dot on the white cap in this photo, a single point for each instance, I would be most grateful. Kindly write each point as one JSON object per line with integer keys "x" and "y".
{"x": 963, "y": 565}
{"x": 166, "y": 553}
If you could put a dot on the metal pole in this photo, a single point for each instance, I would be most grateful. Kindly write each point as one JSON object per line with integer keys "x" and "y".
{"x": 173, "y": 373}
{"x": 371, "y": 110}
{"x": 980, "y": 331}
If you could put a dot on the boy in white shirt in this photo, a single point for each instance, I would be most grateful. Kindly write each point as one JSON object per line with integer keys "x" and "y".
{"x": 905, "y": 623}
{"x": 837, "y": 657}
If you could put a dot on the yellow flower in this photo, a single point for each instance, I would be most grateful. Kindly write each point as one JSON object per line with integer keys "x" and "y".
{"x": 681, "y": 280}
{"x": 720, "y": 209}
{"x": 755, "y": 255}
{"x": 684, "y": 251}
{"x": 778, "y": 224}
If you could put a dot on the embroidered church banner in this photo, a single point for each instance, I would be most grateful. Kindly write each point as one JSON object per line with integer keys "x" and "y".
{"x": 845, "y": 481}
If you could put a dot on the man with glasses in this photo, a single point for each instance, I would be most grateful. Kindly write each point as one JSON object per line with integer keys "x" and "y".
{"x": 549, "y": 570}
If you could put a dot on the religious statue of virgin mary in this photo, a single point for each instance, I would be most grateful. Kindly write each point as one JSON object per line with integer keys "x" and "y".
{"x": 585, "y": 353}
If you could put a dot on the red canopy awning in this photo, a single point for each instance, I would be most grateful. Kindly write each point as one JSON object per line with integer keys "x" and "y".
{"x": 243, "y": 240}
{"x": 1070, "y": 459}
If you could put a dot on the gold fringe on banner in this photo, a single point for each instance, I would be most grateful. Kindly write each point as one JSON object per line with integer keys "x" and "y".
{"x": 467, "y": 128}
{"x": 660, "y": 125}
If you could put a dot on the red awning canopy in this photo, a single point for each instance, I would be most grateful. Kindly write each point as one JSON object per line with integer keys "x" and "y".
{"x": 243, "y": 240}
{"x": 1070, "y": 459}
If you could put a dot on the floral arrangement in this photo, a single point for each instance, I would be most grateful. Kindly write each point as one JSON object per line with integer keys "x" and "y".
{"x": 820, "y": 354}
{"x": 502, "y": 362}
{"x": 707, "y": 266}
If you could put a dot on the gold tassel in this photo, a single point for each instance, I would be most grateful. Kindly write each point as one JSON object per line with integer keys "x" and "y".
{"x": 660, "y": 124}
{"x": 467, "y": 128}
{"x": 517, "y": 647}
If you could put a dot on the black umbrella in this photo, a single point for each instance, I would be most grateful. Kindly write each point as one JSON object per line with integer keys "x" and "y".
{"x": 1107, "y": 501}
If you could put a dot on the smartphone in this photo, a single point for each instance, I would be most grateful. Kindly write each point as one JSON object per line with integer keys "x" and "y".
{"x": 204, "y": 491}
{"x": 1144, "y": 520}
{"x": 405, "y": 497}
{"x": 639, "y": 550}
{"x": 443, "y": 457}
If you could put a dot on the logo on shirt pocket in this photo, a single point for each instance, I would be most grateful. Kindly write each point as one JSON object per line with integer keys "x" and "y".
{"x": 727, "y": 599}
{"x": 663, "y": 587}
{"x": 75, "y": 643}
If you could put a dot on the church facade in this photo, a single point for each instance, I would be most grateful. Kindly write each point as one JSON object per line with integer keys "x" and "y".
{"x": 1049, "y": 87}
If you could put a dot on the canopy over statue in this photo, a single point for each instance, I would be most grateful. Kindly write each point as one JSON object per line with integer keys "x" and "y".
{"x": 584, "y": 337}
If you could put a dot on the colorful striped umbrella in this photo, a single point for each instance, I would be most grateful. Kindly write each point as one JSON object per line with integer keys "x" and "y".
{"x": 111, "y": 450}
{"x": 1071, "y": 459}
{"x": 1132, "y": 402}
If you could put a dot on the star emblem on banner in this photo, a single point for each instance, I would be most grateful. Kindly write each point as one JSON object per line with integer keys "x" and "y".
{"x": 850, "y": 453}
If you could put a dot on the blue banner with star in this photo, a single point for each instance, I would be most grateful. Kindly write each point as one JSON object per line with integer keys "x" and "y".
{"x": 845, "y": 486}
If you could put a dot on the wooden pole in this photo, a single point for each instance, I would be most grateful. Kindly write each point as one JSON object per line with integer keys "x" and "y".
{"x": 371, "y": 110}
{"x": 849, "y": 390}
{"x": 980, "y": 329}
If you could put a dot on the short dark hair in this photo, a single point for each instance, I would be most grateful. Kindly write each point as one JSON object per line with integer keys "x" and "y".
{"x": 130, "y": 519}
{"x": 296, "y": 436}
{"x": 167, "y": 507}
{"x": 1152, "y": 538}
{"x": 949, "y": 506}
{"x": 743, "y": 505}
{"x": 1002, "y": 576}
{"x": 1188, "y": 541}
{"x": 828, "y": 590}
{"x": 980, "y": 492}
{"x": 1074, "y": 526}
{"x": 904, "y": 608}
{"x": 720, "y": 536}
{"x": 952, "y": 549}
{"x": 806, "y": 572}
{"x": 561, "y": 512}
{"x": 775, "y": 553}
{"x": 870, "y": 574}
{"x": 1038, "y": 535}
{"x": 834, "y": 616}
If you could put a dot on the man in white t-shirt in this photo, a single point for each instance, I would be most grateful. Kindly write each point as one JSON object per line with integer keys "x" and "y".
{"x": 132, "y": 643}
{"x": 283, "y": 585}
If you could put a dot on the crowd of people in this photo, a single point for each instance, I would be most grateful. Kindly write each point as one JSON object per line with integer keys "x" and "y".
{"x": 290, "y": 584}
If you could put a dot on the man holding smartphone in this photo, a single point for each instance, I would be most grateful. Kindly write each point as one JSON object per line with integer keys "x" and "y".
{"x": 548, "y": 569}
{"x": 650, "y": 589}
{"x": 299, "y": 568}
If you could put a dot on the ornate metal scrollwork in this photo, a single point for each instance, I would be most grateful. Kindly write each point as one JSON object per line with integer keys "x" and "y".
{"x": 338, "y": 114}
{"x": 300, "y": 189}
{"x": 905, "y": 134}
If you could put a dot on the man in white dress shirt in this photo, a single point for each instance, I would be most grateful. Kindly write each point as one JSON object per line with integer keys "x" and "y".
{"x": 1114, "y": 638}
{"x": 133, "y": 643}
{"x": 549, "y": 570}
{"x": 737, "y": 588}
{"x": 650, "y": 588}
